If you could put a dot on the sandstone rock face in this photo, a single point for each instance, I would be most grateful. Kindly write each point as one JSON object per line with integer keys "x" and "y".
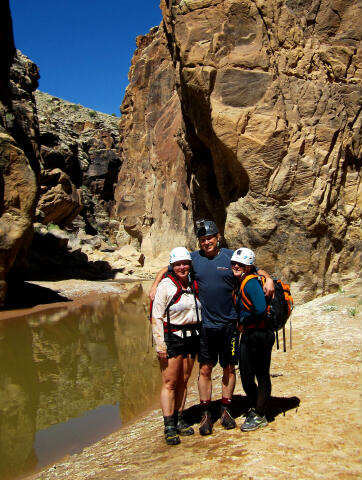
{"x": 248, "y": 113}
{"x": 152, "y": 196}
{"x": 19, "y": 153}
{"x": 268, "y": 119}
{"x": 80, "y": 155}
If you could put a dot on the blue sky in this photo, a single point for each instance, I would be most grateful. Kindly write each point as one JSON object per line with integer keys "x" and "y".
{"x": 83, "y": 48}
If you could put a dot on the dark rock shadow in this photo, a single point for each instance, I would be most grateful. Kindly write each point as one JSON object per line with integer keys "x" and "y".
{"x": 277, "y": 406}
{"x": 49, "y": 258}
{"x": 26, "y": 295}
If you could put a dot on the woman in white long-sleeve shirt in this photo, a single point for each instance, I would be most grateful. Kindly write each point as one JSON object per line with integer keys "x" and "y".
{"x": 176, "y": 314}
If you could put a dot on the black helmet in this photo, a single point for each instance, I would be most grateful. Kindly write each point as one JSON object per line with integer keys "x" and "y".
{"x": 206, "y": 227}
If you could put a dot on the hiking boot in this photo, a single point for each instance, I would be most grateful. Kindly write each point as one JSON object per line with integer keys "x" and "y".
{"x": 206, "y": 424}
{"x": 253, "y": 421}
{"x": 226, "y": 419}
{"x": 184, "y": 428}
{"x": 171, "y": 436}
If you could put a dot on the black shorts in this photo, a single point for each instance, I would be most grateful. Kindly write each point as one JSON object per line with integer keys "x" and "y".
{"x": 181, "y": 345}
{"x": 219, "y": 344}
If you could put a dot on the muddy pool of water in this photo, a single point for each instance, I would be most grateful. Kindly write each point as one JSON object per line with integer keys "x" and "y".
{"x": 71, "y": 376}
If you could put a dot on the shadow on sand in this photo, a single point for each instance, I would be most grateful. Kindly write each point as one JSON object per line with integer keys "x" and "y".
{"x": 26, "y": 295}
{"x": 277, "y": 406}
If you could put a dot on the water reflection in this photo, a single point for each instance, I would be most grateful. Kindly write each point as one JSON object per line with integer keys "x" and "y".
{"x": 67, "y": 369}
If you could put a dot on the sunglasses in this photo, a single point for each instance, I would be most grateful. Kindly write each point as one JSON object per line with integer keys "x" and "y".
{"x": 237, "y": 264}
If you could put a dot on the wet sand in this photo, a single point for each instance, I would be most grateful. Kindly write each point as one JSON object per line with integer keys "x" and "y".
{"x": 315, "y": 424}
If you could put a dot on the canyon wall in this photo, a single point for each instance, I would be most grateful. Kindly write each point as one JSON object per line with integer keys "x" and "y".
{"x": 245, "y": 112}
{"x": 263, "y": 136}
{"x": 80, "y": 163}
{"x": 152, "y": 197}
{"x": 19, "y": 150}
{"x": 59, "y": 163}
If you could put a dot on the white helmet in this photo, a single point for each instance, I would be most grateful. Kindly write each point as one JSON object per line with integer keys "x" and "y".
{"x": 244, "y": 256}
{"x": 179, "y": 253}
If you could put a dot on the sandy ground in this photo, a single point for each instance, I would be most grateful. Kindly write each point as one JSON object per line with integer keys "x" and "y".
{"x": 315, "y": 422}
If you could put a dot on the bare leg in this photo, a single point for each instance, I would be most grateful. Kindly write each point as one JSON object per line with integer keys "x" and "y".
{"x": 181, "y": 392}
{"x": 205, "y": 391}
{"x": 205, "y": 383}
{"x": 171, "y": 370}
{"x": 228, "y": 381}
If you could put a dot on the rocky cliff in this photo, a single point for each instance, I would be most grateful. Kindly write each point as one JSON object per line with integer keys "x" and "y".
{"x": 58, "y": 160}
{"x": 249, "y": 112}
{"x": 80, "y": 154}
{"x": 245, "y": 112}
{"x": 19, "y": 150}
{"x": 152, "y": 196}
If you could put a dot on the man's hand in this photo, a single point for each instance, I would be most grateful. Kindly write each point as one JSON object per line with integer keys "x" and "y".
{"x": 158, "y": 278}
{"x": 152, "y": 293}
{"x": 268, "y": 287}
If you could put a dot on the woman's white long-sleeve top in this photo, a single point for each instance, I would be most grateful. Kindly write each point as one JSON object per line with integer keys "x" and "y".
{"x": 181, "y": 313}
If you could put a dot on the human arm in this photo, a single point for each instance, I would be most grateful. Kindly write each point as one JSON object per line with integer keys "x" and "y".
{"x": 254, "y": 292}
{"x": 158, "y": 310}
{"x": 157, "y": 280}
{"x": 268, "y": 285}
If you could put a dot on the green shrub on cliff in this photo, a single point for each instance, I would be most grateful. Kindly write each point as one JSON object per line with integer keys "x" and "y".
{"x": 52, "y": 226}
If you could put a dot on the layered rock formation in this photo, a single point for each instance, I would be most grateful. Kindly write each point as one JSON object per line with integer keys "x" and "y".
{"x": 80, "y": 154}
{"x": 267, "y": 122}
{"x": 81, "y": 161}
{"x": 19, "y": 152}
{"x": 245, "y": 112}
{"x": 74, "y": 157}
{"x": 152, "y": 196}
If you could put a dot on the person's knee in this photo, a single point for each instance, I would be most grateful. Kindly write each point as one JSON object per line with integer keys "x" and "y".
{"x": 229, "y": 370}
{"x": 206, "y": 370}
{"x": 170, "y": 384}
{"x": 187, "y": 371}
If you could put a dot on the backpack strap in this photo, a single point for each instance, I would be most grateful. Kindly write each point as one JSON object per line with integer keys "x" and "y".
{"x": 178, "y": 286}
{"x": 195, "y": 291}
{"x": 239, "y": 293}
{"x": 173, "y": 300}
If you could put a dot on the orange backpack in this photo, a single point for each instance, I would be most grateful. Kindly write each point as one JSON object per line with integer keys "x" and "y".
{"x": 278, "y": 308}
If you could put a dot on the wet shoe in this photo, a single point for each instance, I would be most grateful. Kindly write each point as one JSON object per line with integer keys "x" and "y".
{"x": 206, "y": 424}
{"x": 171, "y": 436}
{"x": 184, "y": 428}
{"x": 226, "y": 419}
{"x": 253, "y": 421}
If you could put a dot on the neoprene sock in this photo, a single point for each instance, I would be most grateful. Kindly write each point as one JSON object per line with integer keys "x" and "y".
{"x": 226, "y": 402}
{"x": 205, "y": 405}
{"x": 169, "y": 421}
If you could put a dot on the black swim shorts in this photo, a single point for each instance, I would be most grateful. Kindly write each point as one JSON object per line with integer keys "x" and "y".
{"x": 219, "y": 344}
{"x": 181, "y": 345}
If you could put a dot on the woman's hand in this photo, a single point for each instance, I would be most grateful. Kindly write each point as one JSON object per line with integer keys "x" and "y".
{"x": 240, "y": 328}
{"x": 162, "y": 354}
